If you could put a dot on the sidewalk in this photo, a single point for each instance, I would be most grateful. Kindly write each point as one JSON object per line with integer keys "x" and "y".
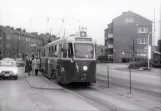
{"x": 40, "y": 82}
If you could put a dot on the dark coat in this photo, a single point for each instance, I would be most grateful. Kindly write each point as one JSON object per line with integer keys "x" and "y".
{"x": 28, "y": 67}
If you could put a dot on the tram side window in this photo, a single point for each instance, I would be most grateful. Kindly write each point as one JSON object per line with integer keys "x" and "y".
{"x": 49, "y": 51}
{"x": 65, "y": 47}
{"x": 70, "y": 50}
{"x": 56, "y": 51}
{"x": 43, "y": 52}
{"x": 52, "y": 51}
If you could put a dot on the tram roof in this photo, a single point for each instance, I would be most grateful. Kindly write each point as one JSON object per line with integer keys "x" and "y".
{"x": 67, "y": 39}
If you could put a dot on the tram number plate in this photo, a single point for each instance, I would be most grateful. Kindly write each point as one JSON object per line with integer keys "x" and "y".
{"x": 6, "y": 75}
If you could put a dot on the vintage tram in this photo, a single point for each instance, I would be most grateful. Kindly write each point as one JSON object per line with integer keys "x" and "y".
{"x": 69, "y": 59}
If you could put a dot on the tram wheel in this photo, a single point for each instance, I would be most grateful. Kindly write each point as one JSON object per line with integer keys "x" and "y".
{"x": 88, "y": 84}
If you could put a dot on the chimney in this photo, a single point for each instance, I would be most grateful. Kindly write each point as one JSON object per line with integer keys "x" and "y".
{"x": 8, "y": 26}
{"x": 12, "y": 28}
{"x": 124, "y": 13}
{"x": 24, "y": 30}
{"x": 34, "y": 33}
{"x": 19, "y": 29}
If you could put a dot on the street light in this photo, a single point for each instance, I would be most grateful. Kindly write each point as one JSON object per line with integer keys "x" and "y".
{"x": 149, "y": 52}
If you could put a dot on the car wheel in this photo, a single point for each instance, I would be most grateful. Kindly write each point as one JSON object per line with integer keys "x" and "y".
{"x": 15, "y": 78}
{"x": 1, "y": 78}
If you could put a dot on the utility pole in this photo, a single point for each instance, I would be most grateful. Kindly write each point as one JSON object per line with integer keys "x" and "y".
{"x": 154, "y": 25}
{"x": 160, "y": 22}
{"x": 4, "y": 45}
{"x": 133, "y": 49}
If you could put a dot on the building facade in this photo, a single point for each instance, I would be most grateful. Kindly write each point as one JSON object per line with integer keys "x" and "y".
{"x": 127, "y": 36}
{"x": 100, "y": 50}
{"x": 17, "y": 42}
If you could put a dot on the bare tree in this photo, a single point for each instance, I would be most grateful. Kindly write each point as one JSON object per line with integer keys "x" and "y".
{"x": 132, "y": 48}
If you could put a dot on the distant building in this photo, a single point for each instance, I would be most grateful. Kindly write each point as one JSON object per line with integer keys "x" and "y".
{"x": 126, "y": 31}
{"x": 14, "y": 43}
{"x": 47, "y": 37}
{"x": 100, "y": 50}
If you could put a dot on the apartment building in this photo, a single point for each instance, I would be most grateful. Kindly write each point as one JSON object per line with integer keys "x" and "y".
{"x": 127, "y": 34}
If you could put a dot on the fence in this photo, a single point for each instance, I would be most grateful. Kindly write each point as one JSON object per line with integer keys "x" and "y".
{"x": 113, "y": 76}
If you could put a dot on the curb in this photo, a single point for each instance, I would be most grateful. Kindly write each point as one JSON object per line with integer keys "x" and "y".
{"x": 40, "y": 87}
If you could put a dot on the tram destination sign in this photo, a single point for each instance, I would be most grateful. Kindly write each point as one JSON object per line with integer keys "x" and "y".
{"x": 83, "y": 39}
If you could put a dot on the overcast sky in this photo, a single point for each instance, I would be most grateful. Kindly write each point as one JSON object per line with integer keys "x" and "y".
{"x": 95, "y": 14}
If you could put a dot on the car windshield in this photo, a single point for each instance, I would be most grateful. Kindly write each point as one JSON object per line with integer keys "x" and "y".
{"x": 84, "y": 50}
{"x": 8, "y": 63}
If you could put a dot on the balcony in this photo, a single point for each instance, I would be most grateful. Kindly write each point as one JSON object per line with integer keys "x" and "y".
{"x": 110, "y": 46}
{"x": 110, "y": 35}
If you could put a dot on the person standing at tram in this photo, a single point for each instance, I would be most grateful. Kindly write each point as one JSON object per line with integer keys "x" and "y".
{"x": 36, "y": 63}
{"x": 29, "y": 65}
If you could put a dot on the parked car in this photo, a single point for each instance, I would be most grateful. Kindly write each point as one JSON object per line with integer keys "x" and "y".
{"x": 20, "y": 62}
{"x": 8, "y": 68}
{"x": 137, "y": 65}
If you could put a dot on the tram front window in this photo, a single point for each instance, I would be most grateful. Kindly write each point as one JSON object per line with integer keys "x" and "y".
{"x": 83, "y": 50}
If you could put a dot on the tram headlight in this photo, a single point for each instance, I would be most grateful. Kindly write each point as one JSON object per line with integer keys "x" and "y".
{"x": 85, "y": 68}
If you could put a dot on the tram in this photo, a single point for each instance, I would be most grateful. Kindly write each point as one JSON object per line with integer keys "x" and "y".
{"x": 69, "y": 59}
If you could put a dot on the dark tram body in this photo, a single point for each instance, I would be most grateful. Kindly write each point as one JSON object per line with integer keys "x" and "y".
{"x": 70, "y": 59}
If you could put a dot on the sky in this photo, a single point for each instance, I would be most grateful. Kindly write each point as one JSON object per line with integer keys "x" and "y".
{"x": 47, "y": 15}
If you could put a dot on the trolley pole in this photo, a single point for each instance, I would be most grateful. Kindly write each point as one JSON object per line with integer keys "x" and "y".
{"x": 130, "y": 79}
{"x": 108, "y": 77}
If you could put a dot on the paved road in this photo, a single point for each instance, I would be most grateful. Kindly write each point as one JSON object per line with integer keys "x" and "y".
{"x": 123, "y": 66}
{"x": 148, "y": 82}
{"x": 17, "y": 95}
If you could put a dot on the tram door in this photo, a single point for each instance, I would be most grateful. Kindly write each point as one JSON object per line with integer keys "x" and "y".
{"x": 59, "y": 59}
{"x": 46, "y": 62}
{"x": 50, "y": 62}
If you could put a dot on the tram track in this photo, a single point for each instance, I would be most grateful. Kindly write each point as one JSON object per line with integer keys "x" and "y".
{"x": 103, "y": 105}
{"x": 132, "y": 101}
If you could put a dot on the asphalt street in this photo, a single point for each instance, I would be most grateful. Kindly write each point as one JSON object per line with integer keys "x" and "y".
{"x": 18, "y": 95}
{"x": 148, "y": 82}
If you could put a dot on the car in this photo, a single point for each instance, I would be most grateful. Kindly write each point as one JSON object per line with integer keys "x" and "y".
{"x": 20, "y": 62}
{"x": 8, "y": 59}
{"x": 137, "y": 65}
{"x": 8, "y": 68}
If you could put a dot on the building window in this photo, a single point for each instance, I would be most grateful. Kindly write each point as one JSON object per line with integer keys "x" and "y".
{"x": 130, "y": 19}
{"x": 142, "y": 40}
{"x": 8, "y": 37}
{"x": 143, "y": 30}
{"x": 8, "y": 45}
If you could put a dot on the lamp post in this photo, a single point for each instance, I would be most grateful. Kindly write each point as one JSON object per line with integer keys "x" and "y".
{"x": 149, "y": 56}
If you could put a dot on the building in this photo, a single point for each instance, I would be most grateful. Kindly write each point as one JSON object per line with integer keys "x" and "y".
{"x": 47, "y": 38}
{"x": 100, "y": 50}
{"x": 17, "y": 42}
{"x": 126, "y": 34}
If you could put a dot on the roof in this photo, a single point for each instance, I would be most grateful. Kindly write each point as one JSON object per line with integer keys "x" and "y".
{"x": 157, "y": 52}
{"x": 8, "y": 30}
{"x": 68, "y": 38}
{"x": 132, "y": 13}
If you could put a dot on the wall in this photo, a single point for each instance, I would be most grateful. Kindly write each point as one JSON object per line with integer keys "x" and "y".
{"x": 125, "y": 32}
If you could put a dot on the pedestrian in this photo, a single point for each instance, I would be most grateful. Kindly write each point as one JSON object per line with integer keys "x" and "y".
{"x": 29, "y": 65}
{"x": 0, "y": 56}
{"x": 36, "y": 63}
